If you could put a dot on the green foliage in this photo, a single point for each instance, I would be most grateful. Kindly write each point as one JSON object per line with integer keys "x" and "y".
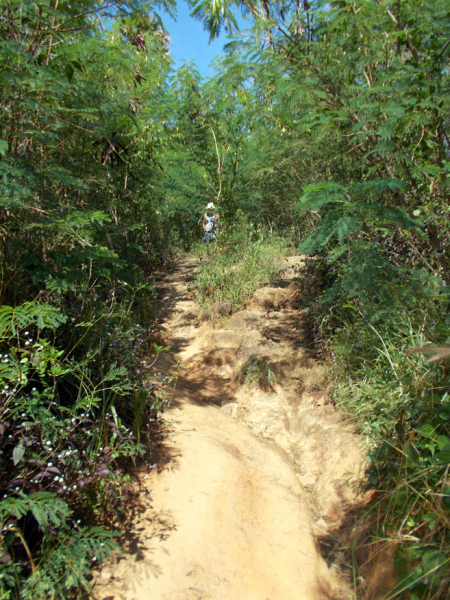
{"x": 350, "y": 148}
{"x": 46, "y": 509}
{"x": 12, "y": 320}
{"x": 62, "y": 562}
{"x": 258, "y": 372}
{"x": 245, "y": 259}
{"x": 400, "y": 403}
{"x": 81, "y": 127}
{"x": 327, "y": 126}
{"x": 48, "y": 400}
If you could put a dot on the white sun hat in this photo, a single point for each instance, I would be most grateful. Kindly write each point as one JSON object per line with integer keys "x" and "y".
{"x": 210, "y": 205}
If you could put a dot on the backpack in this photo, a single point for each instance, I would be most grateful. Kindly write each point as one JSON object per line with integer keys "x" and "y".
{"x": 211, "y": 223}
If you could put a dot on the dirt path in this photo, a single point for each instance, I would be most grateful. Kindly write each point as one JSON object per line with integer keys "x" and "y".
{"x": 228, "y": 517}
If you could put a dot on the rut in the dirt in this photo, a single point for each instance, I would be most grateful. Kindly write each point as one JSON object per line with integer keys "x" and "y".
{"x": 251, "y": 475}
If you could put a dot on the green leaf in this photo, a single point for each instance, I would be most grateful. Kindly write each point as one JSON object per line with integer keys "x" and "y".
{"x": 321, "y": 194}
{"x": 432, "y": 561}
{"x": 400, "y": 562}
{"x": 444, "y": 454}
{"x": 411, "y": 453}
{"x": 18, "y": 453}
{"x": 78, "y": 65}
{"x": 69, "y": 72}
{"x": 427, "y": 431}
{"x": 3, "y": 147}
{"x": 442, "y": 440}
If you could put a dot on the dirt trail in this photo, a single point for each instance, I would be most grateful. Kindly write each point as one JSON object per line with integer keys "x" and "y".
{"x": 250, "y": 476}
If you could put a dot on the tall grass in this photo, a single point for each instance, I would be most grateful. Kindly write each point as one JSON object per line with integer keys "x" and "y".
{"x": 400, "y": 403}
{"x": 245, "y": 258}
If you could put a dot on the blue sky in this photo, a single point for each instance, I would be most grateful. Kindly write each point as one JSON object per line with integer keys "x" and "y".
{"x": 190, "y": 40}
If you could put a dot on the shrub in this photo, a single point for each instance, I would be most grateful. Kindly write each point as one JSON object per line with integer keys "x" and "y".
{"x": 66, "y": 425}
{"x": 59, "y": 561}
{"x": 400, "y": 402}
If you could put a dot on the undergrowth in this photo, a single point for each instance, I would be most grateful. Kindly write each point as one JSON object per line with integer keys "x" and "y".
{"x": 258, "y": 372}
{"x": 70, "y": 427}
{"x": 245, "y": 258}
{"x": 399, "y": 400}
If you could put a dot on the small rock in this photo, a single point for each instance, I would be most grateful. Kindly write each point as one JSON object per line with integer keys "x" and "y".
{"x": 231, "y": 409}
{"x": 106, "y": 574}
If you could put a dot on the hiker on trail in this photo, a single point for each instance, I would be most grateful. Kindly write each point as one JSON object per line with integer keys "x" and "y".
{"x": 210, "y": 225}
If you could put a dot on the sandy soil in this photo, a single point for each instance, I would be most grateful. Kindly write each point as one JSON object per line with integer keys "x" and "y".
{"x": 251, "y": 475}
